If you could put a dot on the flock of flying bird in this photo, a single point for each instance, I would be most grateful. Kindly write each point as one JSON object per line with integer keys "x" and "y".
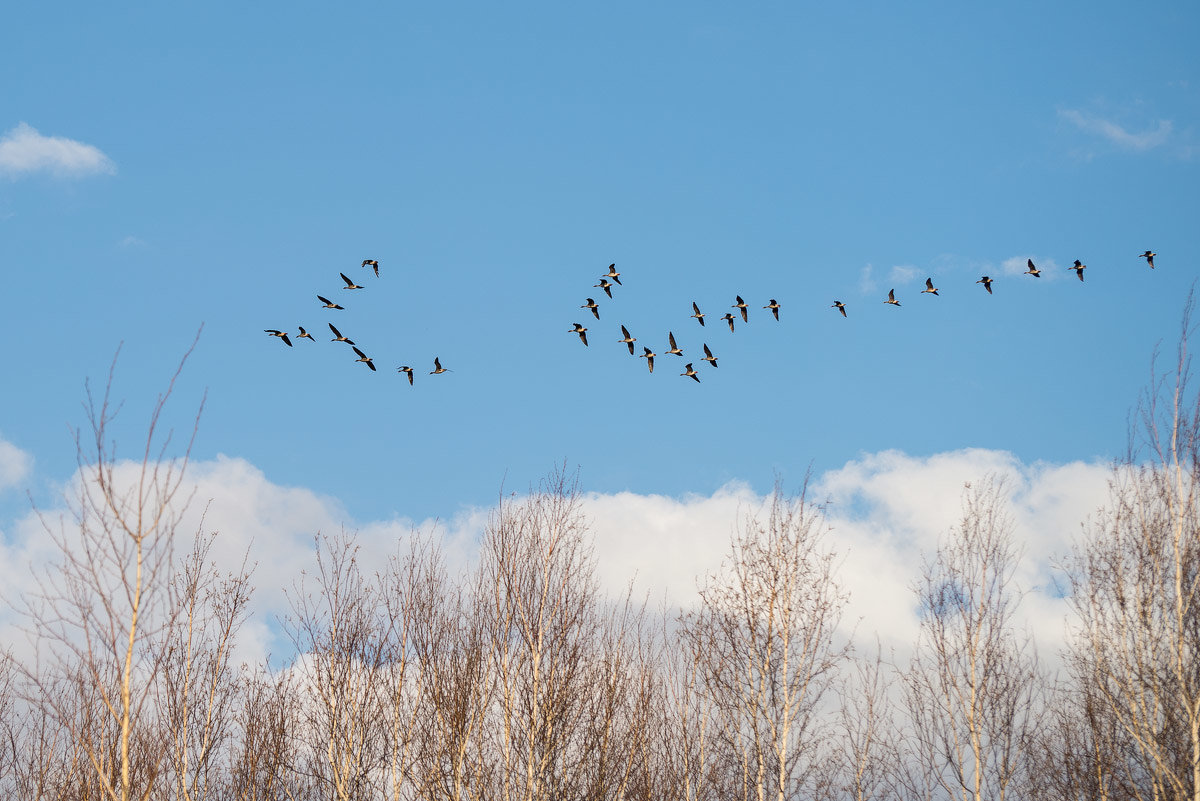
{"x": 627, "y": 339}
{"x": 339, "y": 337}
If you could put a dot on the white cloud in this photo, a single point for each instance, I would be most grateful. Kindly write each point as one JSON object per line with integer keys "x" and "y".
{"x": 886, "y": 512}
{"x": 1106, "y": 129}
{"x": 903, "y": 274}
{"x": 14, "y": 465}
{"x": 24, "y": 150}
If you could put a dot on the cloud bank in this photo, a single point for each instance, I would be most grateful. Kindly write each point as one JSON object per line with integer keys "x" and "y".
{"x": 885, "y": 511}
{"x": 23, "y": 150}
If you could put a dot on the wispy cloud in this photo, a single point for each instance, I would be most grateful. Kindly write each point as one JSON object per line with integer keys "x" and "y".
{"x": 866, "y": 280}
{"x": 1116, "y": 134}
{"x": 23, "y": 150}
{"x": 131, "y": 242}
{"x": 903, "y": 274}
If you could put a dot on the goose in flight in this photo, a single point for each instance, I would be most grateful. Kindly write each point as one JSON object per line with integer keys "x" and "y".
{"x": 892, "y": 298}
{"x": 612, "y": 273}
{"x": 1078, "y": 268}
{"x": 837, "y": 304}
{"x": 579, "y": 329}
{"x": 729, "y": 319}
{"x": 699, "y": 315}
{"x": 349, "y": 284}
{"x": 372, "y": 263}
{"x": 362, "y": 357}
{"x": 674, "y": 350}
{"x": 281, "y": 334}
{"x": 929, "y": 287}
{"x": 708, "y": 357}
{"x": 329, "y": 304}
{"x": 595, "y": 307}
{"x": 628, "y": 340}
{"x": 606, "y": 286}
{"x": 987, "y": 284}
{"x": 1149, "y": 257}
{"x": 304, "y": 334}
{"x": 1034, "y": 271}
{"x": 774, "y": 307}
{"x": 337, "y": 336}
{"x": 649, "y": 357}
{"x": 688, "y": 371}
{"x": 742, "y": 307}
{"x": 406, "y": 369}
{"x": 437, "y": 367}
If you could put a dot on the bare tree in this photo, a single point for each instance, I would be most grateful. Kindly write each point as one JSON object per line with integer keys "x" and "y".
{"x": 198, "y": 679}
{"x": 1135, "y": 581}
{"x": 99, "y": 616}
{"x": 972, "y": 690}
{"x": 340, "y": 637}
{"x": 542, "y": 599}
{"x": 868, "y": 755}
{"x": 766, "y": 636}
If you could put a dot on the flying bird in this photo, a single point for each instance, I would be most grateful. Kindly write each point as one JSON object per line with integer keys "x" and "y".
{"x": 362, "y": 357}
{"x": 987, "y": 283}
{"x": 591, "y": 304}
{"x": 674, "y": 348}
{"x": 304, "y": 334}
{"x": 774, "y": 307}
{"x": 929, "y": 287}
{"x": 649, "y": 357}
{"x": 1034, "y": 271}
{"x": 372, "y": 263}
{"x": 837, "y": 304}
{"x": 697, "y": 313}
{"x": 742, "y": 307}
{"x": 337, "y": 336}
{"x": 579, "y": 329}
{"x": 281, "y": 334}
{"x": 628, "y": 340}
{"x": 1078, "y": 268}
{"x": 349, "y": 284}
{"x": 606, "y": 286}
{"x": 437, "y": 367}
{"x": 729, "y": 319}
{"x": 708, "y": 357}
{"x": 329, "y": 304}
{"x": 892, "y": 298}
{"x": 687, "y": 370}
{"x": 406, "y": 369}
{"x": 613, "y": 274}
{"x": 1149, "y": 257}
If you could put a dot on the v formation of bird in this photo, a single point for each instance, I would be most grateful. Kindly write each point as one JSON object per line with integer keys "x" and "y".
{"x": 628, "y": 339}
{"x": 326, "y": 303}
{"x": 774, "y": 306}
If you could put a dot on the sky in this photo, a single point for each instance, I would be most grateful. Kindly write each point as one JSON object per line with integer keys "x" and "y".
{"x": 212, "y": 168}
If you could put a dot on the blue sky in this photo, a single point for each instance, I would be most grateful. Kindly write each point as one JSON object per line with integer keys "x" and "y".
{"x": 223, "y": 164}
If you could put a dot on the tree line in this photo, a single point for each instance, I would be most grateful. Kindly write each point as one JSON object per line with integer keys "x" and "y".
{"x": 520, "y": 680}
